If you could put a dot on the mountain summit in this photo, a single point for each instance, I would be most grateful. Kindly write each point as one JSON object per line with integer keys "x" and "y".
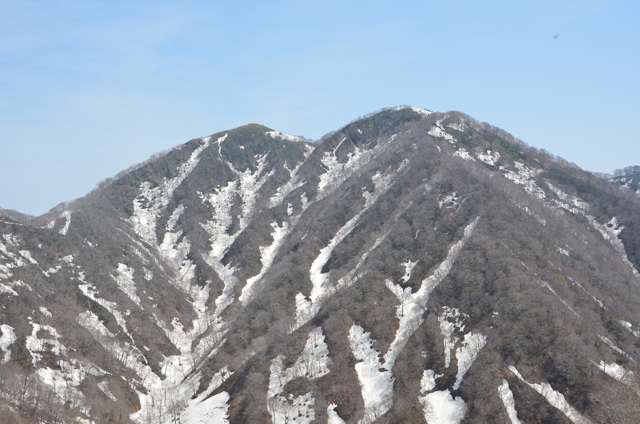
{"x": 410, "y": 267}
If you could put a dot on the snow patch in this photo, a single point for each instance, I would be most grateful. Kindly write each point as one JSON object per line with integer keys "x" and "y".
{"x": 555, "y": 399}
{"x": 450, "y": 321}
{"x": 44, "y": 311}
{"x": 489, "y": 158}
{"x": 7, "y": 339}
{"x": 467, "y": 354}
{"x": 438, "y": 131}
{"x": 440, "y": 408}
{"x": 408, "y": 269}
{"x": 334, "y": 418}
{"x": 617, "y": 371}
{"x": 312, "y": 363}
{"x": 125, "y": 282}
{"x": 464, "y": 154}
{"x": 375, "y": 380}
{"x": 67, "y": 216}
{"x": 286, "y": 137}
{"x": 509, "y": 403}
{"x": 524, "y": 176}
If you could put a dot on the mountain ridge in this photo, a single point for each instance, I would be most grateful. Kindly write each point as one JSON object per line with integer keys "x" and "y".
{"x": 410, "y": 266}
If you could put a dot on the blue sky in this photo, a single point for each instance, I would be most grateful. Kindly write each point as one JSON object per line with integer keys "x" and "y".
{"x": 89, "y": 88}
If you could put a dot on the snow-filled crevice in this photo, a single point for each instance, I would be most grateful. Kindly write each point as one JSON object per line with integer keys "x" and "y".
{"x": 307, "y": 308}
{"x": 555, "y": 399}
{"x": 376, "y": 381}
{"x": 412, "y": 307}
{"x": 7, "y": 339}
{"x": 246, "y": 187}
{"x": 509, "y": 403}
{"x": 609, "y": 231}
{"x": 267, "y": 256}
{"x": 450, "y": 321}
{"x": 524, "y": 176}
{"x": 547, "y": 286}
{"x": 375, "y": 376}
{"x": 612, "y": 345}
{"x": 312, "y": 363}
{"x": 150, "y": 203}
{"x": 67, "y": 216}
{"x": 124, "y": 279}
{"x": 294, "y": 181}
{"x": 337, "y": 172}
{"x": 617, "y": 371}
{"x": 467, "y": 354}
{"x": 629, "y": 326}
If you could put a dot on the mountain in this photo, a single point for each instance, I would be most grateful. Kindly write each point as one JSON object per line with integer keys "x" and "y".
{"x": 410, "y": 267}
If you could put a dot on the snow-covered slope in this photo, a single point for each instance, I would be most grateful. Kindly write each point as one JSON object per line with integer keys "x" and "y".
{"x": 411, "y": 267}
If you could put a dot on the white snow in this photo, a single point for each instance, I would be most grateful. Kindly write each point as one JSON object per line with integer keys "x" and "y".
{"x": 555, "y": 399}
{"x": 450, "y": 201}
{"x": 27, "y": 255}
{"x": 489, "y": 158}
{"x": 440, "y": 408}
{"x": 450, "y": 321}
{"x": 428, "y": 381}
{"x": 423, "y": 112}
{"x": 612, "y": 345}
{"x": 467, "y": 354}
{"x": 104, "y": 387}
{"x": 312, "y": 363}
{"x": 321, "y": 285}
{"x": 464, "y": 154}
{"x": 300, "y": 410}
{"x": 334, "y": 418}
{"x": 408, "y": 269}
{"x": 125, "y": 282}
{"x": 44, "y": 311}
{"x": 148, "y": 206}
{"x": 267, "y": 255}
{"x": 609, "y": 231}
{"x": 438, "y": 131}
{"x": 67, "y": 216}
{"x": 629, "y": 327}
{"x": 35, "y": 345}
{"x": 208, "y": 411}
{"x": 7, "y": 339}
{"x": 375, "y": 380}
{"x": 509, "y": 403}
{"x": 6, "y": 289}
{"x": 286, "y": 137}
{"x": 616, "y": 371}
{"x": 546, "y": 285}
{"x": 524, "y": 177}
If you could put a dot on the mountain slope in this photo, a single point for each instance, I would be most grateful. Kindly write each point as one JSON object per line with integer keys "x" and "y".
{"x": 410, "y": 267}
